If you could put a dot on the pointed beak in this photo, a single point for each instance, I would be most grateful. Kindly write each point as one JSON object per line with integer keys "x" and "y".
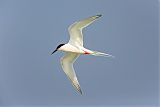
{"x": 54, "y": 51}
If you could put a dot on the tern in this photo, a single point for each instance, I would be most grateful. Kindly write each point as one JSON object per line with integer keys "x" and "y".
{"x": 74, "y": 48}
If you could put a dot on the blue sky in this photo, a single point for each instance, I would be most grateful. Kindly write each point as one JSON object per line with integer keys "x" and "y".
{"x": 31, "y": 29}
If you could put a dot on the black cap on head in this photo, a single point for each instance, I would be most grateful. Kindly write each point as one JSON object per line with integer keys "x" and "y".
{"x": 57, "y": 48}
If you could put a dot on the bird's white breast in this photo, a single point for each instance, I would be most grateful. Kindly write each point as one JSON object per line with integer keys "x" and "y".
{"x": 71, "y": 48}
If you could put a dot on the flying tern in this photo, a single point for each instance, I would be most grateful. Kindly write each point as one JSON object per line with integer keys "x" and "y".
{"x": 74, "y": 48}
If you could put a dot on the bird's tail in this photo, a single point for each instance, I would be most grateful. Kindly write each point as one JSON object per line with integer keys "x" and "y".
{"x": 96, "y": 53}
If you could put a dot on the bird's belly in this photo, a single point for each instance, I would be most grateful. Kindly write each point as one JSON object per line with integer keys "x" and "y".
{"x": 74, "y": 49}
{"x": 81, "y": 50}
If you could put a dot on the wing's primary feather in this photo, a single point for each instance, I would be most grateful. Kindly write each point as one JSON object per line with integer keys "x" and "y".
{"x": 75, "y": 30}
{"x": 67, "y": 64}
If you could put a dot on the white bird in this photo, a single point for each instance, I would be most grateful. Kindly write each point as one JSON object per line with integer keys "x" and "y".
{"x": 74, "y": 48}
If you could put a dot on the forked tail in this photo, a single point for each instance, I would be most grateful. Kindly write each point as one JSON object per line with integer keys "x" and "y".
{"x": 96, "y": 53}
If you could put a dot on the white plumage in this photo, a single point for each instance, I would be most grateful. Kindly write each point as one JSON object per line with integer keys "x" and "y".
{"x": 74, "y": 48}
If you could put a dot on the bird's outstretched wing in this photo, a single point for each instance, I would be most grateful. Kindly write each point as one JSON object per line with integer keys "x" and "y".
{"x": 67, "y": 64}
{"x": 75, "y": 30}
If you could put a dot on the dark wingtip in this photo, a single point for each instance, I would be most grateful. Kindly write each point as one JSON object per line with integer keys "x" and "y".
{"x": 80, "y": 92}
{"x": 99, "y": 15}
{"x": 77, "y": 87}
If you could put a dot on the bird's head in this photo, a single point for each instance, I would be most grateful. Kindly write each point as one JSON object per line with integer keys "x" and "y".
{"x": 58, "y": 47}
